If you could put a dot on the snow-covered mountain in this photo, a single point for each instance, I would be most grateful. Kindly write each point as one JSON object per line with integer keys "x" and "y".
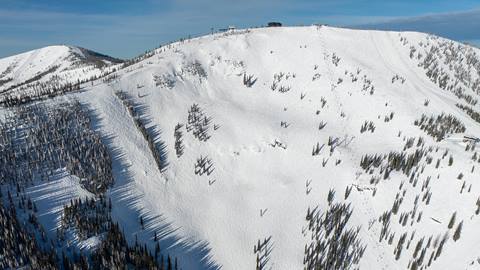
{"x": 50, "y": 69}
{"x": 285, "y": 148}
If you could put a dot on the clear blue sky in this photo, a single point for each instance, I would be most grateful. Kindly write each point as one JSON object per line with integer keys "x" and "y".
{"x": 125, "y": 28}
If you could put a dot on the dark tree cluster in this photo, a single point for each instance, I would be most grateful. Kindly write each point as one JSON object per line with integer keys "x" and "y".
{"x": 353, "y": 76}
{"x": 368, "y": 85}
{"x": 367, "y": 126}
{"x": 39, "y": 91}
{"x": 335, "y": 59}
{"x": 249, "y": 80}
{"x": 365, "y": 81}
{"x": 6, "y": 72}
{"x": 204, "y": 165}
{"x": 34, "y": 78}
{"x": 284, "y": 124}
{"x": 284, "y": 89}
{"x": 33, "y": 90}
{"x": 39, "y": 139}
{"x": 410, "y": 142}
{"x": 110, "y": 78}
{"x": 332, "y": 244}
{"x": 334, "y": 142}
{"x": 317, "y": 149}
{"x": 198, "y": 123}
{"x": 166, "y": 81}
{"x": 470, "y": 111}
{"x": 420, "y": 256}
{"x": 48, "y": 133}
{"x": 441, "y": 57}
{"x": 398, "y": 78}
{"x": 157, "y": 150}
{"x": 262, "y": 251}
{"x": 410, "y": 163}
{"x": 18, "y": 247}
{"x": 277, "y": 79}
{"x": 178, "y": 135}
{"x": 278, "y": 143}
{"x": 195, "y": 68}
{"x": 398, "y": 161}
{"x": 439, "y": 126}
{"x": 115, "y": 253}
{"x": 385, "y": 221}
{"x": 89, "y": 217}
{"x": 5, "y": 81}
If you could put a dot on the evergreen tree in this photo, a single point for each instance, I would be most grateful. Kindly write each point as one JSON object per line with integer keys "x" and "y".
{"x": 458, "y": 231}
{"x": 452, "y": 220}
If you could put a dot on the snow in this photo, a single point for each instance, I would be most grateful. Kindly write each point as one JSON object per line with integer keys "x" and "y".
{"x": 54, "y": 63}
{"x": 256, "y": 190}
{"x": 50, "y": 195}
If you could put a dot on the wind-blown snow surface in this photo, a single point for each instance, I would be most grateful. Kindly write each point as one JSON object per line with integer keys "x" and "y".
{"x": 265, "y": 177}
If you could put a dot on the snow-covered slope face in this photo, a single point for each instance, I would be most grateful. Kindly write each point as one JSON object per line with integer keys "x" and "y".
{"x": 321, "y": 100}
{"x": 276, "y": 141}
{"x": 51, "y": 67}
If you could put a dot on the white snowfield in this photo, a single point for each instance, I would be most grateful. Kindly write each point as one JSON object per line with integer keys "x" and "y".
{"x": 271, "y": 95}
